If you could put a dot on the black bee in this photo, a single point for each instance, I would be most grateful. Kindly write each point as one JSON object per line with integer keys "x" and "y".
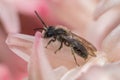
{"x": 77, "y": 44}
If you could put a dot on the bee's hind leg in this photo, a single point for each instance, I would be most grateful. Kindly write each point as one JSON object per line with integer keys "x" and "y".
{"x": 74, "y": 57}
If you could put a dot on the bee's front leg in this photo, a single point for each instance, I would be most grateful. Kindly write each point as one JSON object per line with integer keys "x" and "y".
{"x": 52, "y": 40}
{"x": 61, "y": 45}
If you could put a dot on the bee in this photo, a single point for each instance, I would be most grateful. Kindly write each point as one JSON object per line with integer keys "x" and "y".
{"x": 77, "y": 44}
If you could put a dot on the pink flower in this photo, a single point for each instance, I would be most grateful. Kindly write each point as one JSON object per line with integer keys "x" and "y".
{"x": 78, "y": 16}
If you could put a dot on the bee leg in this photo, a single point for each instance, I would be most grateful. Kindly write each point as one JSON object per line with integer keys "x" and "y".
{"x": 61, "y": 45}
{"x": 52, "y": 40}
{"x": 74, "y": 57}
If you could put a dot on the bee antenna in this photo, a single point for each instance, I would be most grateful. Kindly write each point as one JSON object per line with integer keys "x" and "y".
{"x": 39, "y": 29}
{"x": 40, "y": 19}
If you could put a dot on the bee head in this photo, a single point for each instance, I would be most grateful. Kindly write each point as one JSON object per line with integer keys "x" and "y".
{"x": 49, "y": 32}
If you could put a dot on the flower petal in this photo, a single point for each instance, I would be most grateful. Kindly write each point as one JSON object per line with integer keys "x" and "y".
{"x": 9, "y": 17}
{"x": 104, "y": 6}
{"x": 97, "y": 31}
{"x": 39, "y": 64}
{"x": 106, "y": 72}
{"x": 99, "y": 60}
{"x": 59, "y": 72}
{"x": 27, "y": 6}
{"x": 21, "y": 45}
{"x": 73, "y": 13}
{"x": 70, "y": 75}
{"x": 73, "y": 74}
{"x": 111, "y": 45}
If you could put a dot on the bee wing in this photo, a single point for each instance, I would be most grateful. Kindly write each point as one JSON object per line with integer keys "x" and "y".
{"x": 90, "y": 48}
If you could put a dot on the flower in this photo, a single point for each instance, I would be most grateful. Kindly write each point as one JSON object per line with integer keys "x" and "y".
{"x": 42, "y": 62}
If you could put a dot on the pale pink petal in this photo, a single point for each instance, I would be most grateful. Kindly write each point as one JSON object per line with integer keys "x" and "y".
{"x": 21, "y": 45}
{"x": 60, "y": 71}
{"x": 70, "y": 75}
{"x": 99, "y": 29}
{"x": 94, "y": 73}
{"x": 73, "y": 74}
{"x": 100, "y": 60}
{"x": 27, "y": 6}
{"x": 107, "y": 72}
{"x": 104, "y": 6}
{"x": 111, "y": 45}
{"x": 9, "y": 18}
{"x": 39, "y": 64}
{"x": 15, "y": 64}
{"x": 74, "y": 14}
